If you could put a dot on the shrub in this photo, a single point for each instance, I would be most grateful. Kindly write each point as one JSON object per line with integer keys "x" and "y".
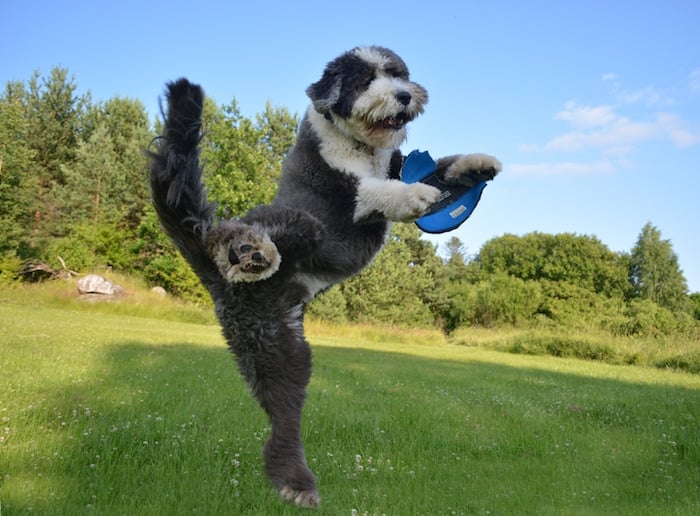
{"x": 506, "y": 300}
{"x": 561, "y": 345}
{"x": 572, "y": 306}
{"x": 689, "y": 362}
{"x": 89, "y": 246}
{"x": 174, "y": 274}
{"x": 10, "y": 267}
{"x": 329, "y": 306}
{"x": 647, "y": 319}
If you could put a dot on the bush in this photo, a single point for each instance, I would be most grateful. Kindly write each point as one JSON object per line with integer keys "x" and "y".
{"x": 329, "y": 306}
{"x": 506, "y": 300}
{"x": 10, "y": 267}
{"x": 90, "y": 246}
{"x": 561, "y": 345}
{"x": 695, "y": 303}
{"x": 647, "y": 319}
{"x": 689, "y": 362}
{"x": 174, "y": 274}
{"x": 572, "y": 306}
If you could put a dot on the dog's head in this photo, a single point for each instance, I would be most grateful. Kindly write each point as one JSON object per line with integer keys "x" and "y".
{"x": 366, "y": 93}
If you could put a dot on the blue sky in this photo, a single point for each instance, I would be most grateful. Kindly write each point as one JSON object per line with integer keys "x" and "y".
{"x": 592, "y": 106}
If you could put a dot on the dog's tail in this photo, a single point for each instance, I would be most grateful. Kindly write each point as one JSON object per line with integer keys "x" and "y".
{"x": 178, "y": 193}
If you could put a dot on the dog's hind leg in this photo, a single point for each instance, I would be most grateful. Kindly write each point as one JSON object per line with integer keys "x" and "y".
{"x": 278, "y": 375}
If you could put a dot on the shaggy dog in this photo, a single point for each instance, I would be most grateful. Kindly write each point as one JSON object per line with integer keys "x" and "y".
{"x": 339, "y": 190}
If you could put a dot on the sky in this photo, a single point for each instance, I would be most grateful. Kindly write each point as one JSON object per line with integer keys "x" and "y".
{"x": 592, "y": 106}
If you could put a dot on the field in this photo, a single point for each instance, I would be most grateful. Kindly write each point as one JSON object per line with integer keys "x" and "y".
{"x": 109, "y": 413}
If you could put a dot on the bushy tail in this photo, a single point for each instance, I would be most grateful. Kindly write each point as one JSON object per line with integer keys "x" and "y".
{"x": 178, "y": 194}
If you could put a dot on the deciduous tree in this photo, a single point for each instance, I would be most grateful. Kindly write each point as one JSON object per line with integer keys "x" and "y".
{"x": 655, "y": 273}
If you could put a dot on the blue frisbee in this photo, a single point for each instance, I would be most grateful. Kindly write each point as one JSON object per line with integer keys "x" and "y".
{"x": 456, "y": 203}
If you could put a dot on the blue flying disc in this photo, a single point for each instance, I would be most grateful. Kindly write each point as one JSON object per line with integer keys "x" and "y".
{"x": 456, "y": 202}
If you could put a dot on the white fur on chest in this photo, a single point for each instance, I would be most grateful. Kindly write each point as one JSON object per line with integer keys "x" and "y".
{"x": 346, "y": 154}
{"x": 396, "y": 200}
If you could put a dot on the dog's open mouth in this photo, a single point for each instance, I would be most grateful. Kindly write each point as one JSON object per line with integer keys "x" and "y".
{"x": 395, "y": 122}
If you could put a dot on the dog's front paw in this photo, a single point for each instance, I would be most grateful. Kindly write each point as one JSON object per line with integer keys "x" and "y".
{"x": 241, "y": 253}
{"x": 417, "y": 201}
{"x": 468, "y": 169}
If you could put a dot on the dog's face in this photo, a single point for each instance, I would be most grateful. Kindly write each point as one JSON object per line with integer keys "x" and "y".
{"x": 366, "y": 93}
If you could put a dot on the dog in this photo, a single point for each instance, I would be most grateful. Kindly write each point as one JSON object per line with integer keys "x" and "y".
{"x": 339, "y": 192}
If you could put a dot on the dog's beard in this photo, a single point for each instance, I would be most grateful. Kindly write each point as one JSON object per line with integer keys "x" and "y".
{"x": 378, "y": 119}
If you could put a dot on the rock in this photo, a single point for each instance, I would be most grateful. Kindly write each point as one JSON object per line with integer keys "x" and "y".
{"x": 159, "y": 291}
{"x": 94, "y": 284}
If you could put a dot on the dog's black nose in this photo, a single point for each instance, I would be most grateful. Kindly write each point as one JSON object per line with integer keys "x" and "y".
{"x": 403, "y": 97}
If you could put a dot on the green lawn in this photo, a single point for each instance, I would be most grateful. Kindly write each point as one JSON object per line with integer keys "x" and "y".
{"x": 114, "y": 414}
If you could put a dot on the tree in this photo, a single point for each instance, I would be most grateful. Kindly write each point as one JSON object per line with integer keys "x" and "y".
{"x": 53, "y": 113}
{"x": 456, "y": 251}
{"x": 695, "y": 301}
{"x": 578, "y": 259}
{"x": 392, "y": 290}
{"x": 654, "y": 271}
{"x": 504, "y": 299}
{"x": 17, "y": 186}
{"x": 244, "y": 159}
{"x": 127, "y": 133}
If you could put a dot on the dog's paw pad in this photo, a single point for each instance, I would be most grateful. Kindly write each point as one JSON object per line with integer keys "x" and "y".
{"x": 244, "y": 255}
{"x": 308, "y": 499}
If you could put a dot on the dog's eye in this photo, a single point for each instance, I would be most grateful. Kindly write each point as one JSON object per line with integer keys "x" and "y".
{"x": 245, "y": 248}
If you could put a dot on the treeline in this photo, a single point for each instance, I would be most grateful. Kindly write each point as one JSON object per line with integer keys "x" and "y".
{"x": 74, "y": 195}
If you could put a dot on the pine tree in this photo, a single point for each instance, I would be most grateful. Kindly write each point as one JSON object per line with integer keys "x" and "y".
{"x": 16, "y": 183}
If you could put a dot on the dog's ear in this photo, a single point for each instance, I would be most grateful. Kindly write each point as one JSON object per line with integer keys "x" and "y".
{"x": 325, "y": 93}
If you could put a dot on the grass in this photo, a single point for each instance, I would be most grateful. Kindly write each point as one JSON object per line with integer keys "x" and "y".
{"x": 671, "y": 352}
{"x": 110, "y": 413}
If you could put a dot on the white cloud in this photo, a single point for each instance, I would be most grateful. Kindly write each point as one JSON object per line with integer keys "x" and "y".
{"x": 672, "y": 127}
{"x": 585, "y": 116}
{"x": 683, "y": 138}
{"x": 600, "y": 127}
{"x": 616, "y": 131}
{"x": 648, "y": 96}
{"x": 695, "y": 81}
{"x": 609, "y": 135}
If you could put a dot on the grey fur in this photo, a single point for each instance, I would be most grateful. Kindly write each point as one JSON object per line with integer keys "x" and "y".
{"x": 339, "y": 189}
{"x": 261, "y": 320}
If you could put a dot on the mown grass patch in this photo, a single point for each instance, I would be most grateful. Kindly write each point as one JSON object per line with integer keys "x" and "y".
{"x": 117, "y": 414}
{"x": 135, "y": 300}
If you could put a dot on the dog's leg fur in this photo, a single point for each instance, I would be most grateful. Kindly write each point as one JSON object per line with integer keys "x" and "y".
{"x": 178, "y": 194}
{"x": 278, "y": 373}
{"x": 260, "y": 310}
{"x": 467, "y": 169}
